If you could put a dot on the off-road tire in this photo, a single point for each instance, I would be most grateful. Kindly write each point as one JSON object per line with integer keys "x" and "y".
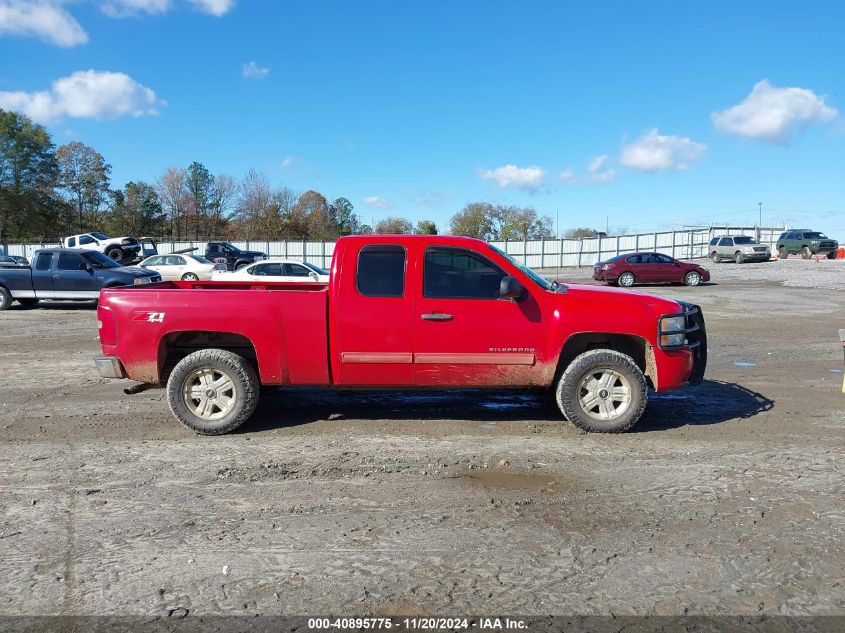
{"x": 28, "y": 303}
{"x": 783, "y": 253}
{"x": 592, "y": 362}
{"x": 831, "y": 255}
{"x": 692, "y": 278}
{"x": 806, "y": 253}
{"x": 5, "y": 299}
{"x": 739, "y": 257}
{"x": 114, "y": 252}
{"x": 236, "y": 368}
{"x": 626, "y": 279}
{"x": 190, "y": 277}
{"x": 714, "y": 257}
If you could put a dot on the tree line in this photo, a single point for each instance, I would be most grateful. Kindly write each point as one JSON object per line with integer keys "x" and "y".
{"x": 48, "y": 192}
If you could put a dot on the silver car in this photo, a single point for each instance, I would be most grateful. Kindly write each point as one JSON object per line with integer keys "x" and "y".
{"x": 739, "y": 248}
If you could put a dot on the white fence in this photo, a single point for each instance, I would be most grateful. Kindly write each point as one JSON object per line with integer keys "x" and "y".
{"x": 681, "y": 244}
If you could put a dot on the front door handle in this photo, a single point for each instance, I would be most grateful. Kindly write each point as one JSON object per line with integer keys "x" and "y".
{"x": 57, "y": 276}
{"x": 436, "y": 316}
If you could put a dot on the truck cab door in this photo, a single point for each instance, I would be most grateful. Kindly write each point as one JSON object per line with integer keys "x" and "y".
{"x": 42, "y": 276}
{"x": 73, "y": 278}
{"x": 464, "y": 334}
{"x": 373, "y": 319}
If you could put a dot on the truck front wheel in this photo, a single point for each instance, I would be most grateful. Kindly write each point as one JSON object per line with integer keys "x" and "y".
{"x": 5, "y": 298}
{"x": 213, "y": 391}
{"x": 602, "y": 391}
{"x": 115, "y": 253}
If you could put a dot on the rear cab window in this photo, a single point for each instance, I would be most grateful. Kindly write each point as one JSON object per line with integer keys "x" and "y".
{"x": 44, "y": 261}
{"x": 381, "y": 271}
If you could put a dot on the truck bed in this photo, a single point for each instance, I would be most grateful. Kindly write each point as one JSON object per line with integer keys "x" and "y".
{"x": 276, "y": 320}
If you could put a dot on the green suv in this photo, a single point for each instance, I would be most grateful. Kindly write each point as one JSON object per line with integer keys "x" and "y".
{"x": 808, "y": 243}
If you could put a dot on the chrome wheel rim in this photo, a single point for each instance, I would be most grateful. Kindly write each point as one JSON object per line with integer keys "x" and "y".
{"x": 190, "y": 277}
{"x": 604, "y": 394}
{"x": 627, "y": 279}
{"x": 209, "y": 394}
{"x": 693, "y": 279}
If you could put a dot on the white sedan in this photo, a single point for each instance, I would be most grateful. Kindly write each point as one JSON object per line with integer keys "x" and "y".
{"x": 184, "y": 267}
{"x": 275, "y": 270}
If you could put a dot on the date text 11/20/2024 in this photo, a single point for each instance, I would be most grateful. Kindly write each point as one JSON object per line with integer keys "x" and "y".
{"x": 418, "y": 624}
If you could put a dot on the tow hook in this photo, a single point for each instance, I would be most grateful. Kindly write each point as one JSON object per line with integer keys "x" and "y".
{"x": 134, "y": 389}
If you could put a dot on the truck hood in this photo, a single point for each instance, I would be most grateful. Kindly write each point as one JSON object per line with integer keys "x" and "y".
{"x": 133, "y": 272}
{"x": 621, "y": 297}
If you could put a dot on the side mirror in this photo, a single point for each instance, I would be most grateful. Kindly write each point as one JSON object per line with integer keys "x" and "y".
{"x": 89, "y": 268}
{"x": 314, "y": 276}
{"x": 511, "y": 288}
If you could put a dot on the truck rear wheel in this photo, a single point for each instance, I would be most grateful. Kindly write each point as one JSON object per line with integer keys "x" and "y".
{"x": 5, "y": 298}
{"x": 213, "y": 391}
{"x": 602, "y": 391}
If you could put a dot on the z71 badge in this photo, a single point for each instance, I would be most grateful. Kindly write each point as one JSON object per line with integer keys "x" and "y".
{"x": 149, "y": 317}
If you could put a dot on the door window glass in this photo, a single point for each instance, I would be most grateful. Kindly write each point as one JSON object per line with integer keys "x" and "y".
{"x": 69, "y": 261}
{"x": 455, "y": 273}
{"x": 71, "y": 242}
{"x": 295, "y": 270}
{"x": 662, "y": 259}
{"x": 381, "y": 271}
{"x": 85, "y": 239}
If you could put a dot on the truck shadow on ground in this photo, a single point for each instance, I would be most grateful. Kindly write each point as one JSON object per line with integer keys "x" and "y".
{"x": 712, "y": 402}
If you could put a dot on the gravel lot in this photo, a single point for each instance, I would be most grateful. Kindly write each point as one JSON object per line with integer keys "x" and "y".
{"x": 726, "y": 499}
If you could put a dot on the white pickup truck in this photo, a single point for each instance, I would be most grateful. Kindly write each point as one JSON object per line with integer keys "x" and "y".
{"x": 119, "y": 249}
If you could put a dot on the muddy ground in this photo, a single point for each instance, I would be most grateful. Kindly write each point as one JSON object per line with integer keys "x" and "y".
{"x": 727, "y": 498}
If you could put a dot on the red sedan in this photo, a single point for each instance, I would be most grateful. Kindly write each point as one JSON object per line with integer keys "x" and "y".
{"x": 648, "y": 268}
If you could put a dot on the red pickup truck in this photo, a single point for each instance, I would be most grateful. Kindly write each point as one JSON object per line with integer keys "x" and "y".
{"x": 402, "y": 311}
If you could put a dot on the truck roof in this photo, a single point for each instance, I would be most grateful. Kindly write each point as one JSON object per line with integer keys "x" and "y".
{"x": 445, "y": 240}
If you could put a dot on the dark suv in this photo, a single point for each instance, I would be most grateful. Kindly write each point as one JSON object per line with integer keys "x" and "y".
{"x": 231, "y": 255}
{"x": 806, "y": 242}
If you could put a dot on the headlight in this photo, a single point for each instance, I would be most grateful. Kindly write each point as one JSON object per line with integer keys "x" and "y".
{"x": 672, "y": 331}
{"x": 141, "y": 280}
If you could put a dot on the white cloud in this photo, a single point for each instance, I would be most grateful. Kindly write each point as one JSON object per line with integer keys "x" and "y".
{"x": 597, "y": 173}
{"x": 289, "y": 162}
{"x": 597, "y": 163}
{"x": 377, "y": 203}
{"x": 774, "y": 114}
{"x": 88, "y": 94}
{"x": 430, "y": 199}
{"x": 124, "y": 8}
{"x": 567, "y": 176}
{"x": 654, "y": 152}
{"x": 214, "y": 7}
{"x": 513, "y": 176}
{"x": 251, "y": 70}
{"x": 43, "y": 19}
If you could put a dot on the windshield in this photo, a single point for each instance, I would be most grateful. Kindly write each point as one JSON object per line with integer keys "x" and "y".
{"x": 316, "y": 269}
{"x": 815, "y": 236}
{"x": 744, "y": 240}
{"x": 98, "y": 260}
{"x": 200, "y": 259}
{"x": 100, "y": 236}
{"x": 541, "y": 281}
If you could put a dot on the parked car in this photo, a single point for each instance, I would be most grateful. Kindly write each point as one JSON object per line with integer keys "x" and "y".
{"x": 275, "y": 270}
{"x": 120, "y": 249}
{"x": 806, "y": 242}
{"x": 739, "y": 248}
{"x": 231, "y": 255}
{"x": 68, "y": 275}
{"x": 403, "y": 311}
{"x": 7, "y": 261}
{"x": 181, "y": 266}
{"x": 648, "y": 268}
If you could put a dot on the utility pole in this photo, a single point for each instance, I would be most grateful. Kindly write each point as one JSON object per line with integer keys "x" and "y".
{"x": 760, "y": 223}
{"x": 557, "y": 223}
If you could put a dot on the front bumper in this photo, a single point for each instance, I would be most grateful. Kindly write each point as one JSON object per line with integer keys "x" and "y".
{"x": 109, "y": 367}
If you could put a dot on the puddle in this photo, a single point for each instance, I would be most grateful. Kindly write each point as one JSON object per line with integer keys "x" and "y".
{"x": 510, "y": 480}
{"x": 836, "y": 371}
{"x": 744, "y": 364}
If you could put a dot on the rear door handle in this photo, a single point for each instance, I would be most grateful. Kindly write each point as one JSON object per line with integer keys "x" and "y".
{"x": 57, "y": 276}
{"x": 436, "y": 316}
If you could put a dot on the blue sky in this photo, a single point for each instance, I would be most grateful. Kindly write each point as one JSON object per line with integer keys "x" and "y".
{"x": 642, "y": 115}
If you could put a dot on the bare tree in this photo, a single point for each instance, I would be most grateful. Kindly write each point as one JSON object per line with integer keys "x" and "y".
{"x": 172, "y": 194}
